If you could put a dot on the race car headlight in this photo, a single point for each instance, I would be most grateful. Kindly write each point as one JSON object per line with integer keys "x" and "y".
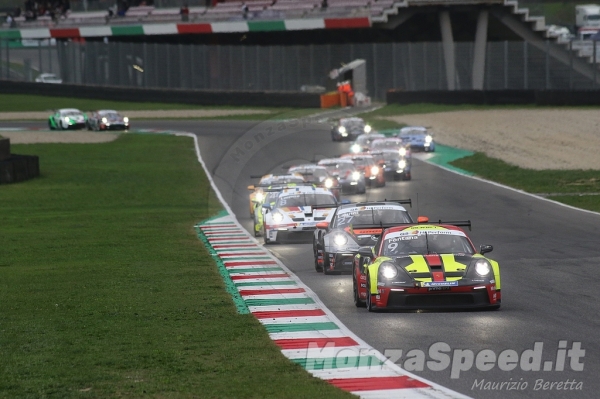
{"x": 355, "y": 175}
{"x": 402, "y": 164}
{"x": 328, "y": 182}
{"x": 428, "y": 139}
{"x": 342, "y": 129}
{"x": 126, "y": 119}
{"x": 388, "y": 270}
{"x": 340, "y": 240}
{"x": 402, "y": 151}
{"x": 374, "y": 170}
{"x": 368, "y": 128}
{"x": 259, "y": 197}
{"x": 355, "y": 148}
{"x": 67, "y": 119}
{"x": 104, "y": 120}
{"x": 482, "y": 267}
{"x": 277, "y": 217}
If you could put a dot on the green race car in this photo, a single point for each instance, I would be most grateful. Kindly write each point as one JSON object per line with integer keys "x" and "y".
{"x": 67, "y": 118}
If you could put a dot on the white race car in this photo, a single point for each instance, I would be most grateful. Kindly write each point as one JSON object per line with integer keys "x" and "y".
{"x": 67, "y": 118}
{"x": 296, "y": 212}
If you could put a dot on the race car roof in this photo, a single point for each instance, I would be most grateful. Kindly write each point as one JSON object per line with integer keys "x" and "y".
{"x": 69, "y": 111}
{"x": 310, "y": 189}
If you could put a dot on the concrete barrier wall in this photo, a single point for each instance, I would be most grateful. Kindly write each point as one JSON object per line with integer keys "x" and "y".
{"x": 495, "y": 97}
{"x": 198, "y": 97}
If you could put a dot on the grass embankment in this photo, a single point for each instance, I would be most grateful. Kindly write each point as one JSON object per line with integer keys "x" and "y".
{"x": 30, "y": 103}
{"x": 578, "y": 188}
{"x": 106, "y": 291}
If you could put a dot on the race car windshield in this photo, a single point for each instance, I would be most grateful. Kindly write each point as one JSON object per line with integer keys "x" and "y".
{"x": 426, "y": 243}
{"x": 380, "y": 145}
{"x": 340, "y": 168}
{"x": 305, "y": 199}
{"x": 371, "y": 217}
{"x": 362, "y": 162}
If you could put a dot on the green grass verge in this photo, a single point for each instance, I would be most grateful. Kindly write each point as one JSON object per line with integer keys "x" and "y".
{"x": 106, "y": 291}
{"x": 551, "y": 183}
{"x": 32, "y": 103}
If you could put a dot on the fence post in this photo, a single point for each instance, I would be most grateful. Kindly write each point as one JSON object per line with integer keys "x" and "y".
{"x": 571, "y": 64}
{"x": 505, "y": 64}
{"x": 525, "y": 66}
{"x": 595, "y": 66}
{"x": 547, "y": 64}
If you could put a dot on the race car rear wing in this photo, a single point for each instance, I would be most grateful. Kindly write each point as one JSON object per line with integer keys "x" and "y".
{"x": 457, "y": 223}
{"x": 400, "y": 201}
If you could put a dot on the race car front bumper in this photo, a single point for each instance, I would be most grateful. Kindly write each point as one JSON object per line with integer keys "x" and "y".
{"x": 457, "y": 297}
{"x": 290, "y": 233}
{"x": 340, "y": 262}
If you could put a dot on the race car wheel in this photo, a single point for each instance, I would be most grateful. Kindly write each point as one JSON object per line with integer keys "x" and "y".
{"x": 50, "y": 125}
{"x": 361, "y": 189}
{"x": 318, "y": 267}
{"x": 265, "y": 237}
{"x": 359, "y": 303}
{"x": 370, "y": 306}
{"x": 326, "y": 263}
{"x": 406, "y": 176}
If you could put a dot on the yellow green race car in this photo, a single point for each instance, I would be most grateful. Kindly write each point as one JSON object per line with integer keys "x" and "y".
{"x": 426, "y": 266}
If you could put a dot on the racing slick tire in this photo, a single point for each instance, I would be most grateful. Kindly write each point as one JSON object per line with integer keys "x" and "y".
{"x": 318, "y": 267}
{"x": 50, "y": 125}
{"x": 369, "y": 302}
{"x": 325, "y": 264}
{"x": 359, "y": 303}
{"x": 361, "y": 189}
{"x": 265, "y": 237}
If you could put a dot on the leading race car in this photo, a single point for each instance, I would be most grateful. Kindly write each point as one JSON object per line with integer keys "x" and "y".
{"x": 353, "y": 226}
{"x": 348, "y": 129}
{"x": 296, "y": 213}
{"x": 257, "y": 194}
{"x": 418, "y": 138}
{"x": 426, "y": 266}
{"x": 67, "y": 118}
{"x": 107, "y": 119}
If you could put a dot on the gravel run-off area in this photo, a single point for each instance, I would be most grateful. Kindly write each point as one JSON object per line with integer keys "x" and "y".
{"x": 557, "y": 138}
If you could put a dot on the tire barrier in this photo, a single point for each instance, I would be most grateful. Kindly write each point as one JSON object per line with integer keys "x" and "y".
{"x": 19, "y": 168}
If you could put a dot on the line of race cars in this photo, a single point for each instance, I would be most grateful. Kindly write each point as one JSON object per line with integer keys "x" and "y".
{"x": 73, "y": 118}
{"x": 395, "y": 261}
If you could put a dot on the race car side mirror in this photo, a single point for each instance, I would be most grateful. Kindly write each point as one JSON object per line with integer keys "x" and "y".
{"x": 484, "y": 249}
{"x": 422, "y": 219}
{"x": 251, "y": 187}
{"x": 365, "y": 252}
{"x": 266, "y": 207}
{"x": 345, "y": 201}
{"x": 322, "y": 225}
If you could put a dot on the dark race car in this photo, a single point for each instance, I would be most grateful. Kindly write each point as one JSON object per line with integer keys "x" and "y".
{"x": 363, "y": 142}
{"x": 107, "y": 119}
{"x": 394, "y": 165}
{"x": 348, "y": 129}
{"x": 426, "y": 266}
{"x": 366, "y": 164}
{"x": 349, "y": 178}
{"x": 354, "y": 226}
{"x": 317, "y": 175}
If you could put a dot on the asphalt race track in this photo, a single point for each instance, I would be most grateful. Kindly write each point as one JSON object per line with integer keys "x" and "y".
{"x": 548, "y": 254}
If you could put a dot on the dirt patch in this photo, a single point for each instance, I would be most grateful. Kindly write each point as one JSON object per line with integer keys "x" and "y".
{"x": 532, "y": 139}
